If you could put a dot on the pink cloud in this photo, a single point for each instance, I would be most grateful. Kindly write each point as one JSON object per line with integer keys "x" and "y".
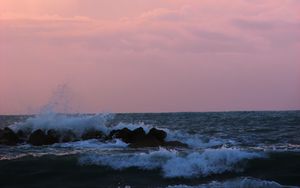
{"x": 172, "y": 56}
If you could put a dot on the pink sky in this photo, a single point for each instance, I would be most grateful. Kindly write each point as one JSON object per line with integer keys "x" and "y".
{"x": 150, "y": 56}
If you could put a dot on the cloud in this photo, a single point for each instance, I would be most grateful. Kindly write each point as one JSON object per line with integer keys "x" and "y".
{"x": 160, "y": 29}
{"x": 207, "y": 27}
{"x": 183, "y": 54}
{"x": 279, "y": 34}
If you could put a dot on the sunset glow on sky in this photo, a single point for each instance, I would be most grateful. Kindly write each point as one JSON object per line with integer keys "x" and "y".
{"x": 150, "y": 56}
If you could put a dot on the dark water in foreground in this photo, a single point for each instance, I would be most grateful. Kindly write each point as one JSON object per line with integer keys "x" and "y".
{"x": 230, "y": 149}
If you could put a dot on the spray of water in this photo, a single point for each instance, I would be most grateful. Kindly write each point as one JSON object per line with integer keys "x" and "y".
{"x": 59, "y": 102}
{"x": 56, "y": 114}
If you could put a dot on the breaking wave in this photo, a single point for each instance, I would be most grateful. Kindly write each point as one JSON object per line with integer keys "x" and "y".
{"x": 175, "y": 164}
{"x": 244, "y": 146}
{"x": 78, "y": 124}
{"x": 237, "y": 183}
{"x": 61, "y": 122}
{"x": 94, "y": 144}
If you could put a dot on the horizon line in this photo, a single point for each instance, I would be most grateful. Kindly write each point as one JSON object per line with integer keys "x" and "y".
{"x": 163, "y": 112}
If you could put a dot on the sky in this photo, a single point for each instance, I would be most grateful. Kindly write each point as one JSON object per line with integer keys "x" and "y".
{"x": 150, "y": 56}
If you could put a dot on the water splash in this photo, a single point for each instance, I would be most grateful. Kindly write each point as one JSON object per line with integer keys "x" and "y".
{"x": 59, "y": 102}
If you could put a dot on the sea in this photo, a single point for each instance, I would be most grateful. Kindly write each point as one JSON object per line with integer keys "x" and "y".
{"x": 226, "y": 149}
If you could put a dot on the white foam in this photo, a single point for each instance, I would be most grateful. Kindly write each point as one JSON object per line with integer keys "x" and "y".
{"x": 61, "y": 149}
{"x": 132, "y": 126}
{"x": 211, "y": 161}
{"x": 80, "y": 123}
{"x": 236, "y": 183}
{"x": 152, "y": 160}
{"x": 176, "y": 164}
{"x": 195, "y": 140}
{"x": 61, "y": 122}
{"x": 279, "y": 147}
{"x": 93, "y": 143}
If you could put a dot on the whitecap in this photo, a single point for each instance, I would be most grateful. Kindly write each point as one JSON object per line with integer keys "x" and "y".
{"x": 176, "y": 164}
{"x": 61, "y": 122}
{"x": 245, "y": 182}
{"x": 93, "y": 143}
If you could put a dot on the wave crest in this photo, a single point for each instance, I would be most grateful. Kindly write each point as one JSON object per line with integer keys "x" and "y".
{"x": 174, "y": 163}
{"x": 237, "y": 183}
{"x": 62, "y": 122}
{"x": 79, "y": 124}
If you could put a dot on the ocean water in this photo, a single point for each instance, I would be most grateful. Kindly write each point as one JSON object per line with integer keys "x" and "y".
{"x": 226, "y": 149}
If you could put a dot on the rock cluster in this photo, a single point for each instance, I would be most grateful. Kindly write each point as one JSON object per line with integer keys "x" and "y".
{"x": 136, "y": 138}
{"x": 8, "y": 137}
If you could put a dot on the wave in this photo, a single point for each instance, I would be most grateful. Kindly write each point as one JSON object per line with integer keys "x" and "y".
{"x": 81, "y": 123}
{"x": 197, "y": 140}
{"x": 61, "y": 122}
{"x": 32, "y": 152}
{"x": 94, "y": 144}
{"x": 280, "y": 147}
{"x": 132, "y": 126}
{"x": 176, "y": 164}
{"x": 245, "y": 182}
{"x": 60, "y": 149}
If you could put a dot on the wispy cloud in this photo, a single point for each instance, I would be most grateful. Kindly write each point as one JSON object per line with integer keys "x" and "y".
{"x": 185, "y": 48}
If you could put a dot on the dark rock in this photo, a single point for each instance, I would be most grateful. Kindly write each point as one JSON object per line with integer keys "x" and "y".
{"x": 68, "y": 136}
{"x": 154, "y": 138}
{"x": 123, "y": 134}
{"x": 127, "y": 135}
{"x": 175, "y": 144}
{"x": 8, "y": 137}
{"x": 146, "y": 142}
{"x": 137, "y": 135}
{"x": 92, "y": 134}
{"x": 158, "y": 134}
{"x": 38, "y": 138}
{"x": 112, "y": 133}
{"x": 139, "y": 139}
{"x": 53, "y": 136}
{"x": 153, "y": 142}
{"x": 22, "y": 135}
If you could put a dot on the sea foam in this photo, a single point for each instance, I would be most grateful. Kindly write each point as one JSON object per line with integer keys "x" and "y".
{"x": 176, "y": 164}
{"x": 93, "y": 144}
{"x": 78, "y": 124}
{"x": 61, "y": 122}
{"x": 237, "y": 183}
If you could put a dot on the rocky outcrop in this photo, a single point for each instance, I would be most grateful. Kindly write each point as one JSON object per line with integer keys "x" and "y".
{"x": 137, "y": 135}
{"x": 136, "y": 138}
{"x": 127, "y": 135}
{"x": 146, "y": 142}
{"x": 8, "y": 137}
{"x": 92, "y": 134}
{"x": 158, "y": 134}
{"x": 68, "y": 136}
{"x": 123, "y": 134}
{"x": 38, "y": 138}
{"x": 52, "y": 137}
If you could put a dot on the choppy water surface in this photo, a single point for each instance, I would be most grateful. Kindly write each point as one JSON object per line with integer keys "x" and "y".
{"x": 230, "y": 149}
